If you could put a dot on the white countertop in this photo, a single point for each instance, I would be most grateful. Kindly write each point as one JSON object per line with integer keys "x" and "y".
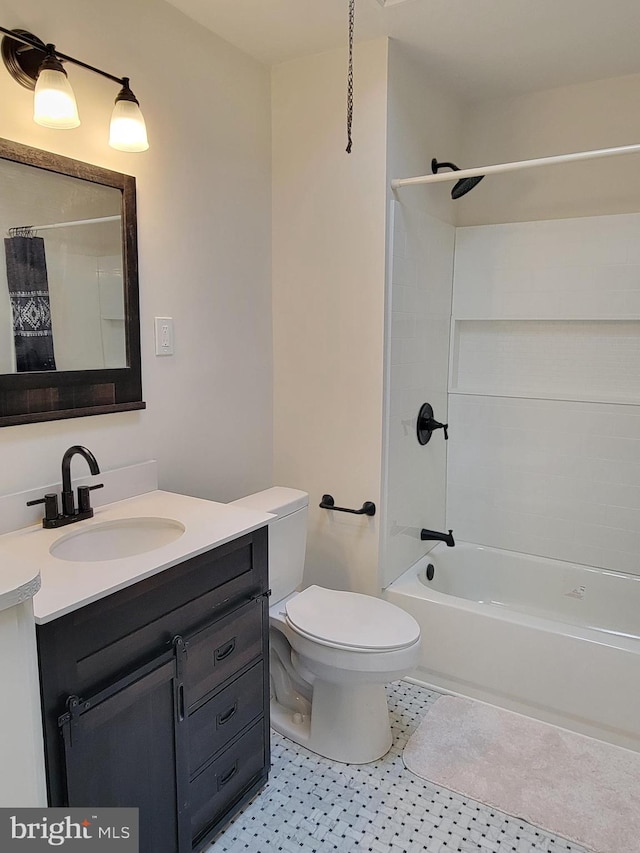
{"x": 68, "y": 585}
{"x": 18, "y": 582}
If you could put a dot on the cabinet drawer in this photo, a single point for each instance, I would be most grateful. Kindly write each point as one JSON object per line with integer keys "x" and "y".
{"x": 223, "y": 781}
{"x": 222, "y": 649}
{"x": 220, "y": 719}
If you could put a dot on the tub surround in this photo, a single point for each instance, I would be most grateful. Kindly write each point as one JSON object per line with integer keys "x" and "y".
{"x": 543, "y": 389}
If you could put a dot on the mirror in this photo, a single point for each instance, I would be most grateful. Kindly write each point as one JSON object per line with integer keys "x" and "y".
{"x": 69, "y": 315}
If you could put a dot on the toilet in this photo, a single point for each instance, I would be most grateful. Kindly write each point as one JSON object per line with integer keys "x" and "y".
{"x": 331, "y": 652}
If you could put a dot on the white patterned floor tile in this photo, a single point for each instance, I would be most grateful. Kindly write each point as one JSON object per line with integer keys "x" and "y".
{"x": 313, "y": 805}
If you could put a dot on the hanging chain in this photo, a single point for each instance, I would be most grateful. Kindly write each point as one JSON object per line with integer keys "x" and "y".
{"x": 352, "y": 9}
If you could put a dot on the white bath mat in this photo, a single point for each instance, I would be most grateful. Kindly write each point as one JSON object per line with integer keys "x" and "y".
{"x": 568, "y": 784}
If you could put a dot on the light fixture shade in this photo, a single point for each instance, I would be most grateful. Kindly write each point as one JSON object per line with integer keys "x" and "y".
{"x": 54, "y": 104}
{"x": 128, "y": 131}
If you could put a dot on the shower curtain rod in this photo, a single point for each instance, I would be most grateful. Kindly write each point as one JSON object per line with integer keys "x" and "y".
{"x": 75, "y": 222}
{"x": 396, "y": 183}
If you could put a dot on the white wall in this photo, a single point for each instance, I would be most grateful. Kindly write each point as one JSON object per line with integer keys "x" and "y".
{"x": 584, "y": 117}
{"x": 204, "y": 242}
{"x": 545, "y": 403}
{"x": 424, "y": 121}
{"x": 339, "y": 334}
{"x": 328, "y": 302}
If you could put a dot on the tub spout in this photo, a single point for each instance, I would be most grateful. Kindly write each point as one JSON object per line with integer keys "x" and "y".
{"x": 426, "y": 535}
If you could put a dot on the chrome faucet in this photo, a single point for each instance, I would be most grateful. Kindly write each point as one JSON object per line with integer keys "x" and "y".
{"x": 69, "y": 514}
{"x": 426, "y": 535}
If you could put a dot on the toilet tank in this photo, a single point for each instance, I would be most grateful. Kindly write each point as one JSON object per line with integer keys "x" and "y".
{"x": 287, "y": 536}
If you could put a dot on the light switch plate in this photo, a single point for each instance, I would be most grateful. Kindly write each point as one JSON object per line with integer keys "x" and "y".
{"x": 164, "y": 335}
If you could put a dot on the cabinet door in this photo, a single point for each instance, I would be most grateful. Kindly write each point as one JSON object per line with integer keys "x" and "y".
{"x": 120, "y": 749}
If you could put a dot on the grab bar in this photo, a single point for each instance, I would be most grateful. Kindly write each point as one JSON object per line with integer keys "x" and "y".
{"x": 368, "y": 507}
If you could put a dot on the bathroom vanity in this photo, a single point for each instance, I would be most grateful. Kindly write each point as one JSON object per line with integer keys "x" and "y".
{"x": 153, "y": 667}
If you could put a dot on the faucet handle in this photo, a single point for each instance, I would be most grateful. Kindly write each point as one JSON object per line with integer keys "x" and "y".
{"x": 84, "y": 504}
{"x": 50, "y": 502}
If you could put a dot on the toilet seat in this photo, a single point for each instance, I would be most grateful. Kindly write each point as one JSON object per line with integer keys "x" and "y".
{"x": 350, "y": 620}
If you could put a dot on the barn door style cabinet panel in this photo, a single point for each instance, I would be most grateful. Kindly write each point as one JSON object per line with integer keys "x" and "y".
{"x": 157, "y": 696}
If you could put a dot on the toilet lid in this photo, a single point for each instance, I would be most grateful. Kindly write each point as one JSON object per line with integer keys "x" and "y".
{"x": 351, "y": 620}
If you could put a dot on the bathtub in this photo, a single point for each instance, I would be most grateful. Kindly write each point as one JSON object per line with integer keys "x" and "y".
{"x": 554, "y": 640}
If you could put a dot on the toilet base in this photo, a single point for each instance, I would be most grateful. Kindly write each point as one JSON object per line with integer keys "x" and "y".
{"x": 348, "y": 723}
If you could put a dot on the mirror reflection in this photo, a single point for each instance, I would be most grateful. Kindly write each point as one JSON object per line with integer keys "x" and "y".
{"x": 62, "y": 305}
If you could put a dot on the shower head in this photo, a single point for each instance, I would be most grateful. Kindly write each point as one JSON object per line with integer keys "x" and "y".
{"x": 463, "y": 186}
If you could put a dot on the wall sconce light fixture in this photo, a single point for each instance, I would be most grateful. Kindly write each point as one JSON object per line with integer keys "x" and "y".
{"x": 38, "y": 66}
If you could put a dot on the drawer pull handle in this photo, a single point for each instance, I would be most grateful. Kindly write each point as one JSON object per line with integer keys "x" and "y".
{"x": 221, "y": 719}
{"x": 228, "y": 776}
{"x": 223, "y": 652}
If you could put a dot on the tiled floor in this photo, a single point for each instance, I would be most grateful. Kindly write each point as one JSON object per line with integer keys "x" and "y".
{"x": 313, "y": 805}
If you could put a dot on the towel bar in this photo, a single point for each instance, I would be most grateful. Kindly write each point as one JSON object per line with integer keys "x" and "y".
{"x": 368, "y": 507}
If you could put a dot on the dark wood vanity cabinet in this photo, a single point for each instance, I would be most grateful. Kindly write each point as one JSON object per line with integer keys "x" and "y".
{"x": 157, "y": 696}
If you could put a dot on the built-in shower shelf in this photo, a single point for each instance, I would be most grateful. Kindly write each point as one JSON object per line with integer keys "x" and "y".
{"x": 591, "y": 360}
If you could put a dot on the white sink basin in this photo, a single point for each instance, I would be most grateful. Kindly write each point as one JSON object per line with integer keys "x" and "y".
{"x": 117, "y": 539}
{"x": 124, "y": 543}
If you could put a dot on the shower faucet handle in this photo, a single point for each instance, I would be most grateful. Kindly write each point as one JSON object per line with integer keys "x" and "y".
{"x": 427, "y": 424}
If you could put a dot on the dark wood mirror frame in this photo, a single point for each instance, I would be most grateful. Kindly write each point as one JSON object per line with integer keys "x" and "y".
{"x": 53, "y": 395}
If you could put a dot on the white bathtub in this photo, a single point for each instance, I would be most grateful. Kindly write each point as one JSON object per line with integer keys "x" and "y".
{"x": 554, "y": 640}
